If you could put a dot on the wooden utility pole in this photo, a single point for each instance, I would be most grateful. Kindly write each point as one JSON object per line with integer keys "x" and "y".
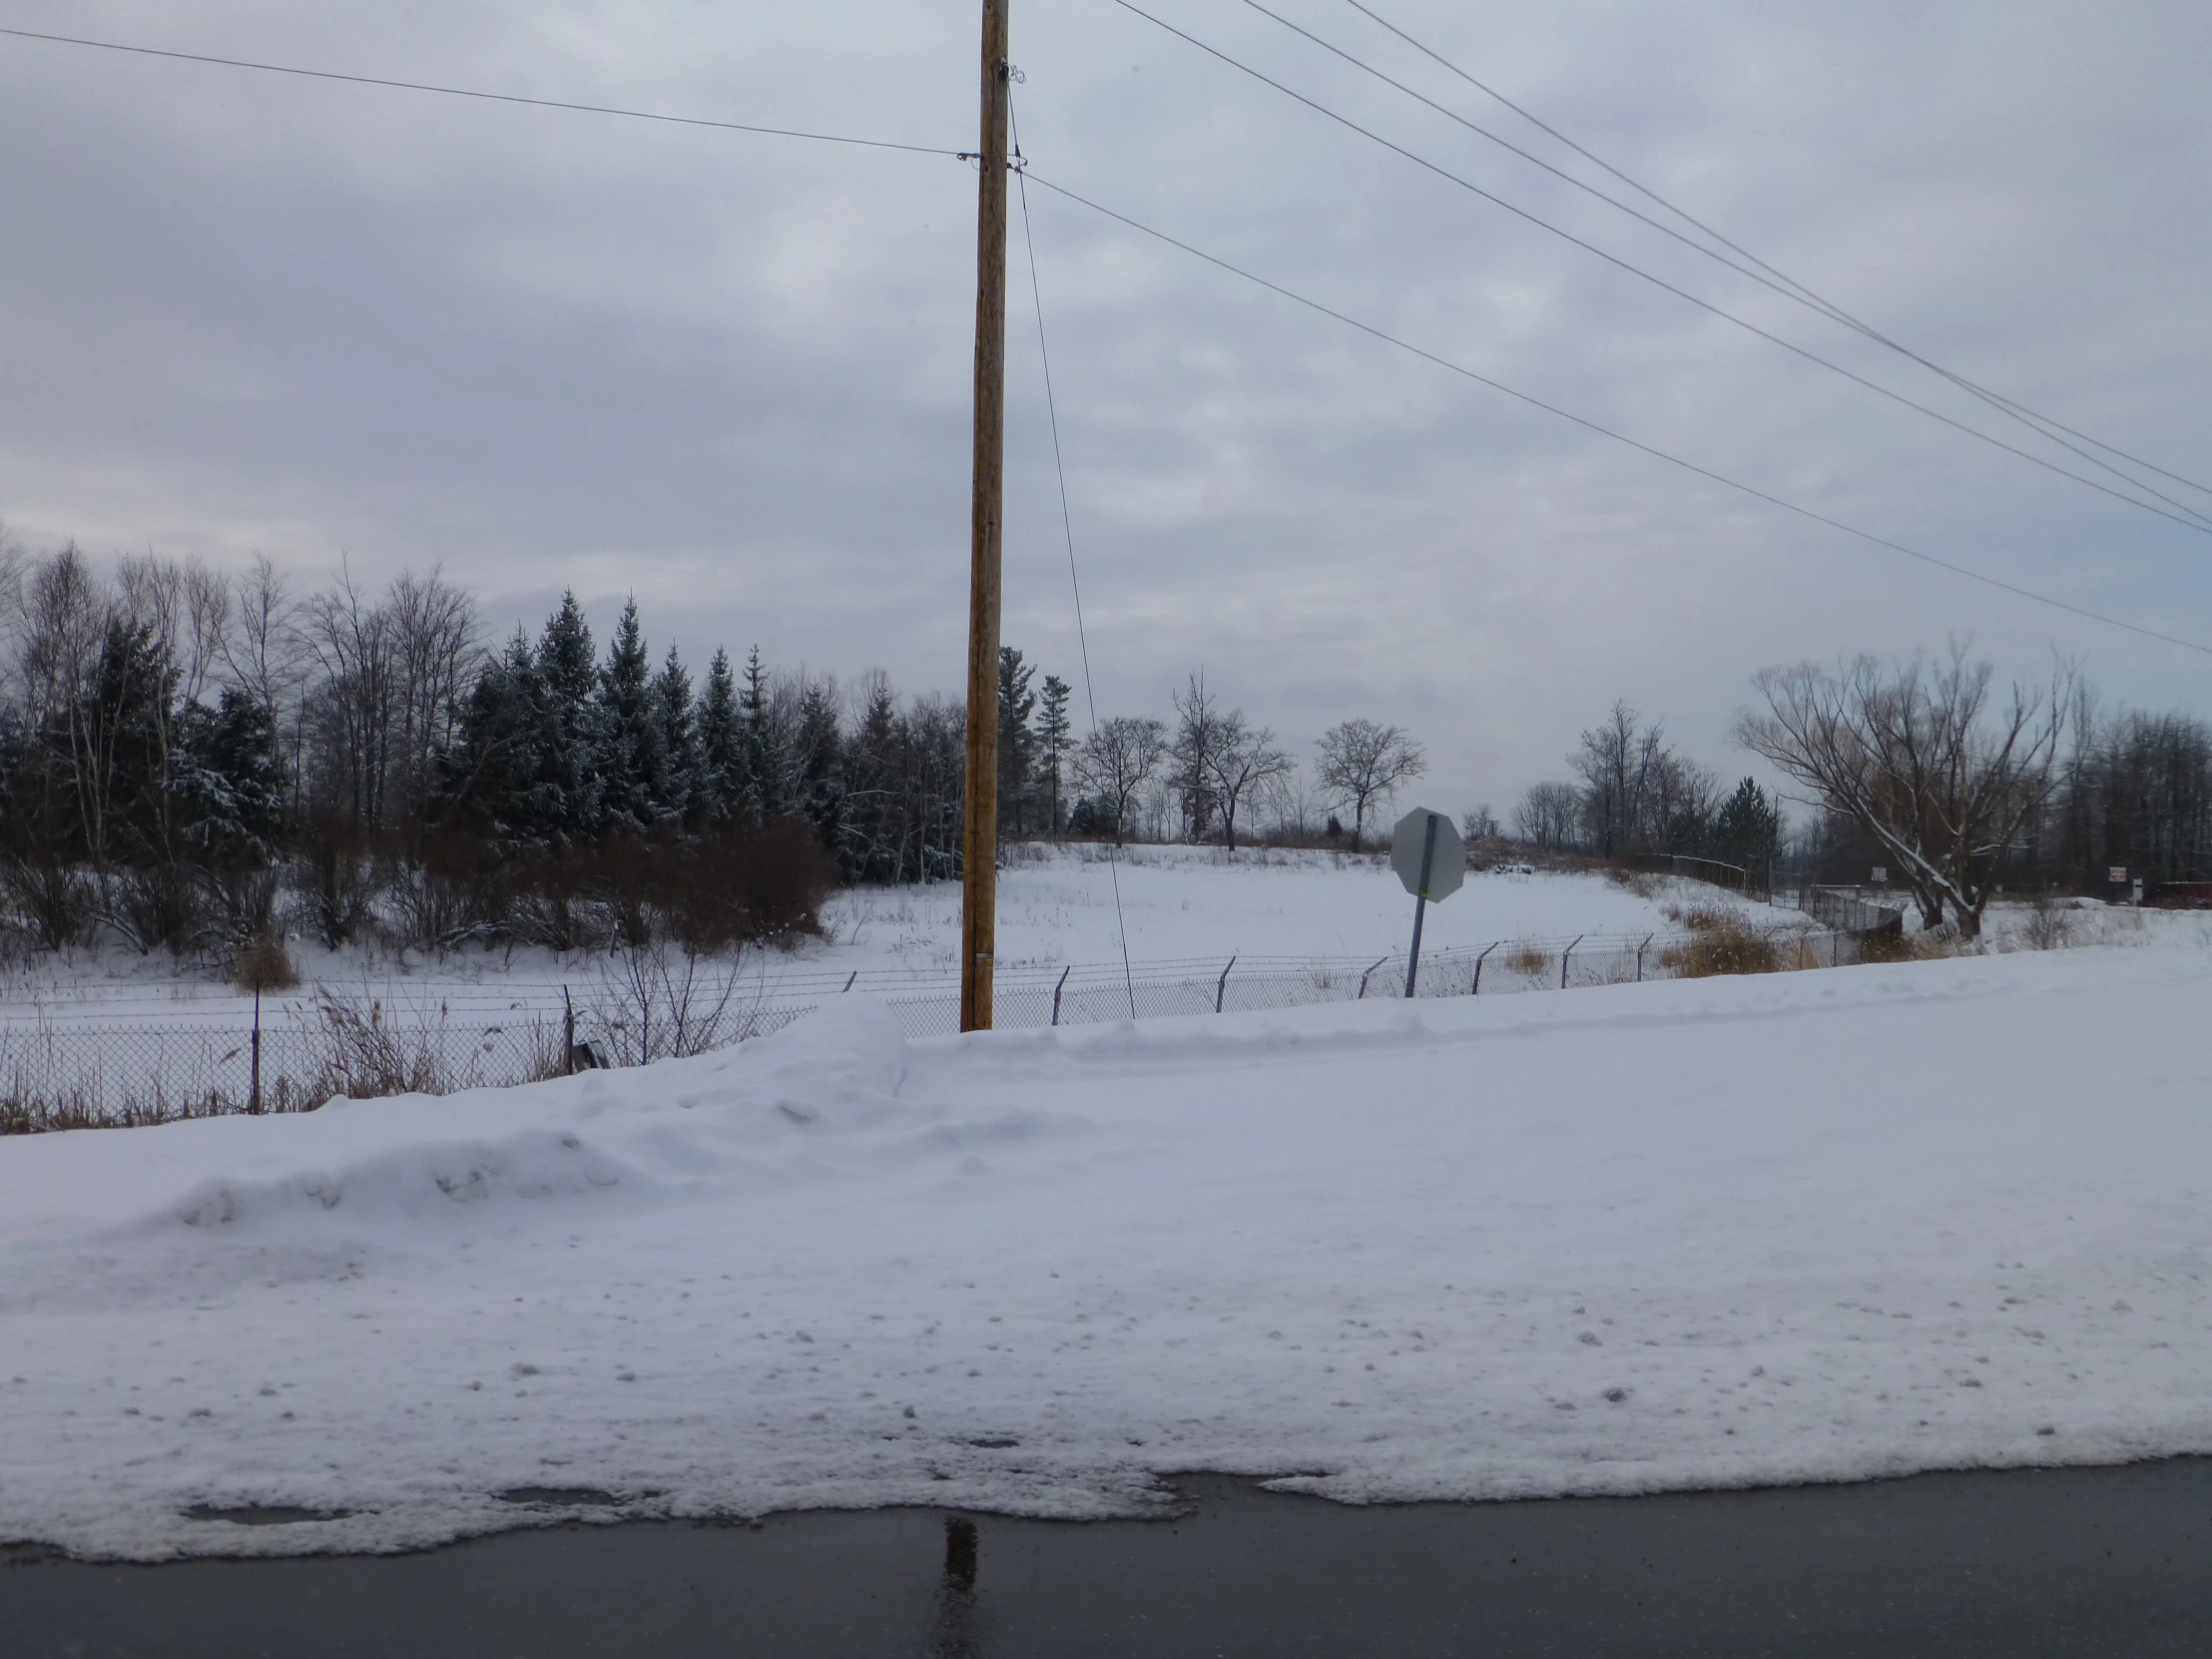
{"x": 979, "y": 829}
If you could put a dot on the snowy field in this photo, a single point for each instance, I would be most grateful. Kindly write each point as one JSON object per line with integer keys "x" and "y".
{"x": 1056, "y": 907}
{"x": 1178, "y": 902}
{"x": 1799, "y": 1227}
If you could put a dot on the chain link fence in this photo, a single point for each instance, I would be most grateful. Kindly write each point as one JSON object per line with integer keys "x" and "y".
{"x": 56, "y": 1075}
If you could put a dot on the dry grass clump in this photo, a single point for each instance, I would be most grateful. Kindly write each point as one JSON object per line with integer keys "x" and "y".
{"x": 1722, "y": 944}
{"x": 1529, "y": 959}
{"x": 261, "y": 964}
{"x": 1700, "y": 919}
{"x": 1635, "y": 881}
{"x": 1897, "y": 947}
{"x": 39, "y": 1112}
{"x": 364, "y": 1056}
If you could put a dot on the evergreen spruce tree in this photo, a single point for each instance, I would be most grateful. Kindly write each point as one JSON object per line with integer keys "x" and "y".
{"x": 568, "y": 800}
{"x": 1017, "y": 743}
{"x": 1748, "y": 829}
{"x": 676, "y": 783}
{"x": 765, "y": 784}
{"x": 1054, "y": 739}
{"x": 231, "y": 777}
{"x": 820, "y": 761}
{"x": 491, "y": 775}
{"x": 868, "y": 830}
{"x": 718, "y": 788}
{"x": 630, "y": 760}
{"x": 121, "y": 747}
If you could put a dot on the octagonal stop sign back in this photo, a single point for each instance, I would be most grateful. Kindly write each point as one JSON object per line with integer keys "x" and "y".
{"x": 1448, "y": 866}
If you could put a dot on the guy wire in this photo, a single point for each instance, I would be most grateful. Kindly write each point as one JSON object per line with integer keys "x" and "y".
{"x": 1067, "y": 527}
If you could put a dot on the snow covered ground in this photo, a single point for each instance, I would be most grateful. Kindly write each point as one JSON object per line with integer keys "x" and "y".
{"x": 1056, "y": 907}
{"x": 1810, "y": 1226}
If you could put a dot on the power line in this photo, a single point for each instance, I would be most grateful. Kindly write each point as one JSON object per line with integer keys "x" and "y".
{"x": 1588, "y": 424}
{"x": 468, "y": 92}
{"x": 1067, "y": 527}
{"x": 1758, "y": 271}
{"x": 2185, "y": 516}
{"x": 1788, "y": 286}
{"x": 2042, "y": 423}
{"x": 1313, "y": 304}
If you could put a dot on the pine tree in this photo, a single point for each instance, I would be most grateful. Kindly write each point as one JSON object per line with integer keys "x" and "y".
{"x": 568, "y": 801}
{"x": 719, "y": 788}
{"x": 868, "y": 842}
{"x": 230, "y": 778}
{"x": 1748, "y": 829}
{"x": 490, "y": 773}
{"x": 1054, "y": 739}
{"x": 766, "y": 784}
{"x": 631, "y": 761}
{"x": 676, "y": 783}
{"x": 1017, "y": 763}
{"x": 820, "y": 762}
{"x": 119, "y": 747}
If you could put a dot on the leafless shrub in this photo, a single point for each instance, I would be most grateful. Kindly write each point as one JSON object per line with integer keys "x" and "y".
{"x": 335, "y": 882}
{"x": 554, "y": 906}
{"x": 2049, "y": 924}
{"x": 154, "y": 908}
{"x": 1635, "y": 881}
{"x": 458, "y": 891}
{"x": 659, "y": 998}
{"x": 53, "y": 901}
{"x": 261, "y": 964}
{"x": 239, "y": 903}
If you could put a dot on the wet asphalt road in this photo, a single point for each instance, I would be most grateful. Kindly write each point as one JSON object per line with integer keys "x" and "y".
{"x": 2017, "y": 1564}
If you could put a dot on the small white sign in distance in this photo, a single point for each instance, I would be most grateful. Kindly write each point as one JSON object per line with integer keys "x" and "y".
{"x": 1448, "y": 868}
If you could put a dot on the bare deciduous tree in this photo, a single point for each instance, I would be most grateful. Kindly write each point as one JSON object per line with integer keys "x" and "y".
{"x": 1116, "y": 761}
{"x": 1364, "y": 764}
{"x": 1244, "y": 758}
{"x": 1546, "y": 815}
{"x": 390, "y": 678}
{"x": 1615, "y": 762}
{"x": 1198, "y": 740}
{"x": 1939, "y": 775}
{"x": 1480, "y": 824}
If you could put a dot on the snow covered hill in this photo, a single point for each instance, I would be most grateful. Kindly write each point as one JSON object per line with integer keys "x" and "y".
{"x": 1796, "y": 1227}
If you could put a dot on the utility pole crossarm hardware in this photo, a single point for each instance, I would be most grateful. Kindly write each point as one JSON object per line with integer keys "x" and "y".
{"x": 979, "y": 822}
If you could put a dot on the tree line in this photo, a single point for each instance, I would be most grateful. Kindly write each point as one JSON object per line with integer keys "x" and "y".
{"x": 1635, "y": 794}
{"x": 189, "y": 760}
{"x": 1952, "y": 787}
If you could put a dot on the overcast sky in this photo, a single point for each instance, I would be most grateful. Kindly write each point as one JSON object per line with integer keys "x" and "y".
{"x": 729, "y": 374}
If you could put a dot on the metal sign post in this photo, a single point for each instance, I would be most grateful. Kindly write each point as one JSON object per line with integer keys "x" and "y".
{"x": 1431, "y": 859}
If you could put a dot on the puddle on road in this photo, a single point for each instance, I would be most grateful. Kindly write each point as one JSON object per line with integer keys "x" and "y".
{"x": 261, "y": 1514}
{"x": 2025, "y": 1562}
